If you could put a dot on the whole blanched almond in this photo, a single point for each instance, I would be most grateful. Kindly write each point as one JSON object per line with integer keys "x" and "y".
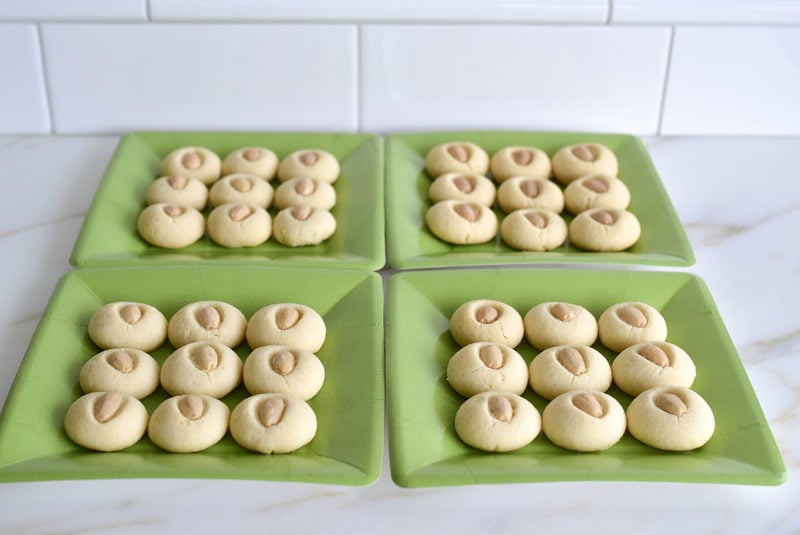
{"x": 589, "y": 404}
{"x": 131, "y": 314}
{"x": 463, "y": 184}
{"x": 205, "y": 358}
{"x": 603, "y": 217}
{"x": 468, "y": 211}
{"x": 562, "y": 312}
{"x": 251, "y": 154}
{"x": 572, "y": 360}
{"x": 177, "y": 181}
{"x": 240, "y": 212}
{"x": 308, "y": 158}
{"x": 632, "y": 316}
{"x": 283, "y": 362}
{"x": 500, "y": 408}
{"x": 583, "y": 152}
{"x": 670, "y": 403}
{"x": 596, "y": 185}
{"x": 191, "y": 160}
{"x": 305, "y": 187}
{"x": 487, "y": 314}
{"x": 192, "y": 407}
{"x": 108, "y": 406}
{"x": 491, "y": 356}
{"x": 287, "y": 317}
{"x": 458, "y": 152}
{"x": 301, "y": 212}
{"x": 120, "y": 361}
{"x": 173, "y": 210}
{"x": 208, "y": 317}
{"x": 537, "y": 220}
{"x": 522, "y": 156}
{"x": 241, "y": 184}
{"x": 530, "y": 188}
{"x": 654, "y": 354}
{"x": 270, "y": 411}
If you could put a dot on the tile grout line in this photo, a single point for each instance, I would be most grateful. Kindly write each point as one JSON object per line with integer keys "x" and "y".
{"x": 665, "y": 83}
{"x": 45, "y": 81}
{"x": 359, "y": 80}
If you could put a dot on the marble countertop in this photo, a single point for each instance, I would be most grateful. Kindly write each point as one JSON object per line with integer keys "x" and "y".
{"x": 739, "y": 199}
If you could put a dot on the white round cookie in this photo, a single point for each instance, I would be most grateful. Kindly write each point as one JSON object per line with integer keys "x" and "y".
{"x": 193, "y": 162}
{"x": 242, "y": 189}
{"x": 521, "y": 192}
{"x": 312, "y": 163}
{"x": 170, "y": 226}
{"x": 649, "y": 364}
{"x": 239, "y": 225}
{"x": 483, "y": 366}
{"x": 497, "y": 421}
{"x": 556, "y": 323}
{"x": 258, "y": 161}
{"x": 106, "y": 421}
{"x": 625, "y": 324}
{"x": 456, "y": 157}
{"x": 574, "y": 161}
{"x": 565, "y": 368}
{"x": 176, "y": 189}
{"x": 282, "y": 369}
{"x": 533, "y": 229}
{"x": 286, "y": 324}
{"x": 461, "y": 223}
{"x": 464, "y": 187}
{"x": 671, "y": 418}
{"x": 520, "y": 161}
{"x": 596, "y": 191}
{"x": 127, "y": 324}
{"x": 301, "y": 225}
{"x": 486, "y": 320}
{"x": 273, "y": 423}
{"x": 188, "y": 423}
{"x": 604, "y": 229}
{"x": 584, "y": 420}
{"x": 208, "y": 368}
{"x": 207, "y": 321}
{"x": 124, "y": 370}
{"x": 305, "y": 191}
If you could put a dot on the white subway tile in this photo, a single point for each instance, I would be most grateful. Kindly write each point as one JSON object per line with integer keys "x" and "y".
{"x": 706, "y": 11}
{"x": 538, "y": 11}
{"x": 116, "y": 78}
{"x": 23, "y": 101}
{"x": 73, "y": 10}
{"x": 734, "y": 81}
{"x": 519, "y": 77}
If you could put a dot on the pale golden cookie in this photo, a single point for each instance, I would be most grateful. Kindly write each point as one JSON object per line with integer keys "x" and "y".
{"x": 520, "y": 161}
{"x": 521, "y": 192}
{"x": 575, "y": 161}
{"x": 625, "y": 324}
{"x": 273, "y": 423}
{"x": 482, "y": 366}
{"x": 106, "y": 421}
{"x": 485, "y": 320}
{"x": 533, "y": 229}
{"x": 242, "y": 189}
{"x": 128, "y": 324}
{"x": 207, "y": 321}
{"x": 604, "y": 229}
{"x": 312, "y": 163}
{"x": 461, "y": 223}
{"x": 281, "y": 369}
{"x": 170, "y": 226}
{"x": 565, "y": 368}
{"x": 456, "y": 157}
{"x": 301, "y": 225}
{"x": 584, "y": 420}
{"x": 596, "y": 191}
{"x": 258, "y": 161}
{"x": 188, "y": 423}
{"x": 649, "y": 364}
{"x": 193, "y": 162}
{"x": 286, "y": 324}
{"x": 464, "y": 187}
{"x": 556, "y": 323}
{"x": 305, "y": 191}
{"x": 671, "y": 418}
{"x": 176, "y": 189}
{"x": 239, "y": 225}
{"x": 124, "y": 370}
{"x": 208, "y": 368}
{"x": 497, "y": 421}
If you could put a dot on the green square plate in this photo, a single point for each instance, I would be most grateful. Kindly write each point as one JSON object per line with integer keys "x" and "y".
{"x": 347, "y": 449}
{"x": 411, "y": 244}
{"x": 109, "y": 237}
{"x": 425, "y": 450}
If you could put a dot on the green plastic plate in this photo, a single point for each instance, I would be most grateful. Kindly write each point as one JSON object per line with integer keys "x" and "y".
{"x": 109, "y": 237}
{"x": 347, "y": 449}
{"x": 411, "y": 244}
{"x": 425, "y": 450}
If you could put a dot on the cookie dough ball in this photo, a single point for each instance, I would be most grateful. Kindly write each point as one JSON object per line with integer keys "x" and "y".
{"x": 311, "y": 163}
{"x": 303, "y": 225}
{"x": 124, "y": 370}
{"x": 584, "y": 421}
{"x": 106, "y": 421}
{"x": 128, "y": 324}
{"x": 281, "y": 369}
{"x": 188, "y": 423}
{"x": 604, "y": 229}
{"x": 305, "y": 191}
{"x": 273, "y": 423}
{"x": 575, "y": 161}
{"x": 239, "y": 225}
{"x": 534, "y": 229}
{"x": 464, "y": 187}
{"x": 461, "y": 223}
{"x": 193, "y": 162}
{"x": 485, "y": 320}
{"x": 671, "y": 418}
{"x": 520, "y": 161}
{"x": 242, "y": 189}
{"x": 596, "y": 191}
{"x": 258, "y": 161}
{"x": 625, "y": 324}
{"x": 482, "y": 366}
{"x": 170, "y": 226}
{"x": 570, "y": 367}
{"x": 456, "y": 157}
{"x": 208, "y": 368}
{"x": 650, "y": 364}
{"x": 497, "y": 421}
{"x": 286, "y": 324}
{"x": 521, "y": 192}
{"x": 207, "y": 321}
{"x": 177, "y": 189}
{"x": 556, "y": 323}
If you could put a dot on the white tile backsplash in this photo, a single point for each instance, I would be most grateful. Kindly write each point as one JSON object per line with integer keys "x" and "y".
{"x": 734, "y": 81}
{"x": 199, "y": 76}
{"x": 517, "y": 77}
{"x": 77, "y": 10}
{"x": 23, "y": 101}
{"x": 706, "y": 11}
